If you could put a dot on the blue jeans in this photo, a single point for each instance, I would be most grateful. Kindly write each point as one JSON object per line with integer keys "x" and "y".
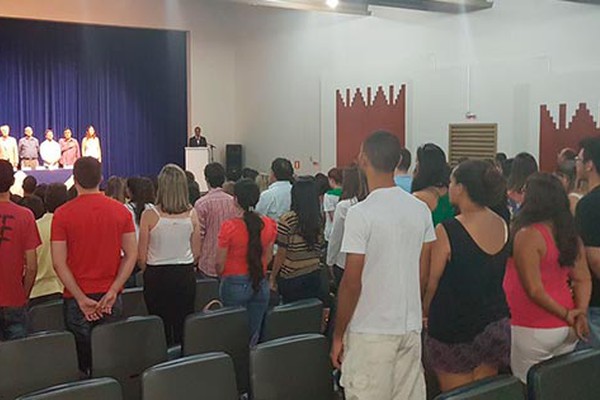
{"x": 308, "y": 286}
{"x": 13, "y": 323}
{"x": 238, "y": 291}
{"x": 594, "y": 322}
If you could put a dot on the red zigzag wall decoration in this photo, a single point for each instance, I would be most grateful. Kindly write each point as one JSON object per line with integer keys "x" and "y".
{"x": 357, "y": 118}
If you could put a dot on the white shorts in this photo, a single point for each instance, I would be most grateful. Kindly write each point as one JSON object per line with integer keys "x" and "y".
{"x": 530, "y": 346}
{"x": 383, "y": 367}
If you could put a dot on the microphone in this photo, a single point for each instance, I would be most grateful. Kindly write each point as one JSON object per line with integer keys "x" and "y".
{"x": 212, "y": 146}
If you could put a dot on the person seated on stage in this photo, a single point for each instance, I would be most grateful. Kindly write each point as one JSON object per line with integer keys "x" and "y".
{"x": 197, "y": 140}
{"x": 8, "y": 146}
{"x": 69, "y": 149}
{"x": 50, "y": 150}
{"x": 19, "y": 238}
{"x": 29, "y": 150}
{"x": 29, "y": 185}
{"x": 91, "y": 144}
{"x": 47, "y": 286}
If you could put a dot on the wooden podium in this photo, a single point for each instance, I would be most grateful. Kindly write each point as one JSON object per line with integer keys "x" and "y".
{"x": 196, "y": 158}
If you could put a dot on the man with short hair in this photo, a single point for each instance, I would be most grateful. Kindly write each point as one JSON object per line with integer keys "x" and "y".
{"x": 94, "y": 250}
{"x": 69, "y": 149}
{"x": 29, "y": 185}
{"x": 8, "y": 146}
{"x": 277, "y": 199}
{"x": 19, "y": 239}
{"x": 50, "y": 150}
{"x": 29, "y": 149}
{"x": 331, "y": 198}
{"x": 213, "y": 209}
{"x": 197, "y": 140}
{"x": 402, "y": 177}
{"x": 587, "y": 218}
{"x": 378, "y": 325}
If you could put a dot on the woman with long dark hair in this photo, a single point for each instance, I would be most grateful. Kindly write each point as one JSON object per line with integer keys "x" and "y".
{"x": 245, "y": 250}
{"x": 296, "y": 269}
{"x": 523, "y": 166}
{"x": 546, "y": 316}
{"x": 430, "y": 183}
{"x": 469, "y": 333}
{"x": 140, "y": 191}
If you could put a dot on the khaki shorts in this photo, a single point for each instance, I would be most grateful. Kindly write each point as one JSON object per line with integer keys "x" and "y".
{"x": 383, "y": 367}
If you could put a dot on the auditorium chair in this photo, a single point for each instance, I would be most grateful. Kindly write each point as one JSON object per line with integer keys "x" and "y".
{"x": 37, "y": 362}
{"x": 207, "y": 376}
{"x": 304, "y": 316}
{"x": 572, "y": 376}
{"x": 92, "y": 389}
{"x": 225, "y": 330}
{"x": 124, "y": 350}
{"x": 134, "y": 304}
{"x": 47, "y": 317}
{"x": 206, "y": 290}
{"x": 292, "y": 368}
{"x": 496, "y": 388}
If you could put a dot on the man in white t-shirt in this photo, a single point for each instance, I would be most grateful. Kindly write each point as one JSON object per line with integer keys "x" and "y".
{"x": 377, "y": 339}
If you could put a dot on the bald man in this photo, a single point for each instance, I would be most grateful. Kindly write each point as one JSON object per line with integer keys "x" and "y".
{"x": 8, "y": 145}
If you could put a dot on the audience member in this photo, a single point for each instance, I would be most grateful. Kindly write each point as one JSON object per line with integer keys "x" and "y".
{"x": 168, "y": 249}
{"x": 523, "y": 166}
{"x": 331, "y": 198}
{"x": 547, "y": 254}
{"x": 213, "y": 210}
{"x": 47, "y": 286}
{"x": 296, "y": 267}
{"x": 40, "y": 190}
{"x": 19, "y": 239}
{"x": 354, "y": 189}
{"x": 430, "y": 184}
{"x": 587, "y": 218}
{"x": 71, "y": 193}
{"x": 35, "y": 204}
{"x": 468, "y": 334}
{"x": 228, "y": 187}
{"x": 566, "y": 154}
{"x": 245, "y": 249}
{"x": 500, "y": 159}
{"x": 402, "y": 177}
{"x": 94, "y": 252}
{"x": 277, "y": 199}
{"x": 507, "y": 168}
{"x": 249, "y": 173}
{"x": 116, "y": 188}
{"x": 379, "y": 345}
{"x": 567, "y": 174}
{"x": 29, "y": 185}
{"x": 193, "y": 187}
{"x": 140, "y": 192}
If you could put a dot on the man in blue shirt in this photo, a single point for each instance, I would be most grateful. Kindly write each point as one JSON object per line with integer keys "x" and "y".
{"x": 402, "y": 178}
{"x": 277, "y": 199}
{"x": 29, "y": 149}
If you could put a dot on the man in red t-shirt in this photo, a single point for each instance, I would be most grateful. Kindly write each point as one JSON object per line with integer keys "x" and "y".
{"x": 19, "y": 238}
{"x": 88, "y": 235}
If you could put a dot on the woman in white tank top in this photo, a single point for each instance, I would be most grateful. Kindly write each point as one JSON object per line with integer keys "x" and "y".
{"x": 169, "y": 246}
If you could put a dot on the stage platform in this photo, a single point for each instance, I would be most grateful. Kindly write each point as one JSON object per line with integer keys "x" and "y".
{"x": 43, "y": 176}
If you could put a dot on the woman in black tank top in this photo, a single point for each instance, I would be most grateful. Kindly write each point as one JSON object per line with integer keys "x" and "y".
{"x": 468, "y": 334}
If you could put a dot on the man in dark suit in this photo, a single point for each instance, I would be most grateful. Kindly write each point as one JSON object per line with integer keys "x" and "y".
{"x": 197, "y": 140}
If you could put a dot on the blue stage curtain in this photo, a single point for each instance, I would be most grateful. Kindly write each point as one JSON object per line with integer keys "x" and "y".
{"x": 131, "y": 84}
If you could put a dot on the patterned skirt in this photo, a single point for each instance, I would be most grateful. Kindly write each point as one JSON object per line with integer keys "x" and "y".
{"x": 490, "y": 347}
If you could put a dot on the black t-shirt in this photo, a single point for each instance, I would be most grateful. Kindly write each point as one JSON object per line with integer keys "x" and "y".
{"x": 587, "y": 218}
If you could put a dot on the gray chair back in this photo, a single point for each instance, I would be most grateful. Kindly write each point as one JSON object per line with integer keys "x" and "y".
{"x": 92, "y": 389}
{"x": 134, "y": 304}
{"x": 292, "y": 368}
{"x": 124, "y": 350}
{"x": 297, "y": 318}
{"x": 47, "y": 317}
{"x": 572, "y": 376}
{"x": 207, "y": 376}
{"x": 36, "y": 362}
{"x": 206, "y": 290}
{"x": 224, "y": 330}
{"x": 496, "y": 388}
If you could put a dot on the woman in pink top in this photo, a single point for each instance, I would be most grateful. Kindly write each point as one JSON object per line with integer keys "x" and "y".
{"x": 547, "y": 317}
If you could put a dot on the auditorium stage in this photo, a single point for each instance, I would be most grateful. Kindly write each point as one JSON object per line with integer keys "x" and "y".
{"x": 43, "y": 176}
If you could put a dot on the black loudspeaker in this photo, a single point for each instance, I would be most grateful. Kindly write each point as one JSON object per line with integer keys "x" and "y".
{"x": 233, "y": 160}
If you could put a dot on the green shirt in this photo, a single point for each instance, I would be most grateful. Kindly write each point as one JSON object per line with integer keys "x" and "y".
{"x": 443, "y": 211}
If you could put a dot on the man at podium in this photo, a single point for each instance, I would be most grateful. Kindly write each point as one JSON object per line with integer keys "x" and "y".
{"x": 197, "y": 140}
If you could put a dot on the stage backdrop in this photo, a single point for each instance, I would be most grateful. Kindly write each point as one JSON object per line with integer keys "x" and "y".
{"x": 131, "y": 84}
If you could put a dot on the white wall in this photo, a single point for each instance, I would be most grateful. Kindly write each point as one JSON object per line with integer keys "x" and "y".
{"x": 520, "y": 53}
{"x": 211, "y": 46}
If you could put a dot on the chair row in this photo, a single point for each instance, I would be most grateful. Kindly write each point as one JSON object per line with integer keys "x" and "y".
{"x": 292, "y": 368}
{"x": 49, "y": 316}
{"x": 572, "y": 376}
{"x": 124, "y": 349}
